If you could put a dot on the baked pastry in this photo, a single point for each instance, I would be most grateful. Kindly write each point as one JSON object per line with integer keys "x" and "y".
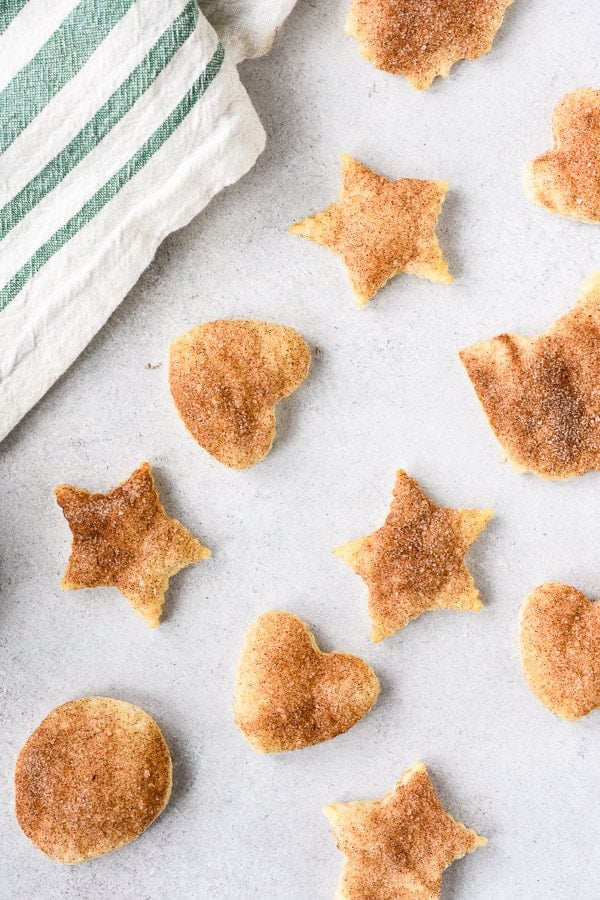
{"x": 381, "y": 228}
{"x": 422, "y": 40}
{"x": 125, "y": 539}
{"x": 226, "y": 378}
{"x": 566, "y": 179}
{"x": 289, "y": 694}
{"x": 560, "y": 649}
{"x": 399, "y": 846}
{"x": 414, "y": 562}
{"x": 541, "y": 395}
{"x": 91, "y": 778}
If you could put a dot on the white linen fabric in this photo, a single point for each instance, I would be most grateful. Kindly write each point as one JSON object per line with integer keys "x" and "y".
{"x": 119, "y": 121}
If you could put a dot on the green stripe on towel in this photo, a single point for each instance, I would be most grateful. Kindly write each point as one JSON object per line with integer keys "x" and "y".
{"x": 114, "y": 185}
{"x": 8, "y": 11}
{"x": 109, "y": 115}
{"x": 59, "y": 60}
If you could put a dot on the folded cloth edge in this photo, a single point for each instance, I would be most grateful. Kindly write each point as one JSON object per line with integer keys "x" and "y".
{"x": 71, "y": 332}
{"x": 247, "y": 27}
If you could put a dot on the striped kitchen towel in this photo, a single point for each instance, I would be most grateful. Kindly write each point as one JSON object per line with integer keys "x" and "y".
{"x": 119, "y": 120}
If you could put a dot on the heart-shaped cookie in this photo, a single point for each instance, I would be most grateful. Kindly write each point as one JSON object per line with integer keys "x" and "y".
{"x": 560, "y": 649}
{"x": 289, "y": 694}
{"x": 225, "y": 379}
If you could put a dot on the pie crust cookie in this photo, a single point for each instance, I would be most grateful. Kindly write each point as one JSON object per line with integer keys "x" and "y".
{"x": 399, "y": 846}
{"x": 125, "y": 539}
{"x": 289, "y": 694}
{"x": 566, "y": 179}
{"x": 226, "y": 378}
{"x": 560, "y": 649}
{"x": 541, "y": 395}
{"x": 422, "y": 40}
{"x": 91, "y": 778}
{"x": 381, "y": 228}
{"x": 415, "y": 561}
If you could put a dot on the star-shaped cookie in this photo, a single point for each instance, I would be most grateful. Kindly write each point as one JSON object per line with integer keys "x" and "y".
{"x": 380, "y": 228}
{"x": 566, "y": 179}
{"x": 399, "y": 846}
{"x": 422, "y": 40}
{"x": 415, "y": 561}
{"x": 541, "y": 395}
{"x": 125, "y": 539}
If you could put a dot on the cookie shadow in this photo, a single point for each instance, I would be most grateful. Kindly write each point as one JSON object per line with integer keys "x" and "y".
{"x": 174, "y": 509}
{"x": 506, "y": 33}
{"x": 479, "y": 559}
{"x": 450, "y": 232}
{"x": 455, "y": 879}
{"x": 508, "y": 28}
{"x": 183, "y": 772}
{"x": 290, "y": 411}
{"x": 388, "y": 692}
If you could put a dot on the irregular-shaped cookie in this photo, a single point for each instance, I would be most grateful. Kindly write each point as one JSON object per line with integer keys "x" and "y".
{"x": 566, "y": 179}
{"x": 399, "y": 846}
{"x": 414, "y": 562}
{"x": 560, "y": 649}
{"x": 289, "y": 694}
{"x": 422, "y": 40}
{"x": 125, "y": 539}
{"x": 226, "y": 378}
{"x": 91, "y": 778}
{"x": 541, "y": 395}
{"x": 380, "y": 228}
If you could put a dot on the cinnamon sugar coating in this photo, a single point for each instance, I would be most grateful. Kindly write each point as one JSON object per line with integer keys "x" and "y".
{"x": 415, "y": 561}
{"x": 399, "y": 846}
{"x": 125, "y": 539}
{"x": 422, "y": 39}
{"x": 541, "y": 395}
{"x": 289, "y": 694}
{"x": 225, "y": 379}
{"x": 566, "y": 179}
{"x": 381, "y": 228}
{"x": 91, "y": 778}
{"x": 560, "y": 649}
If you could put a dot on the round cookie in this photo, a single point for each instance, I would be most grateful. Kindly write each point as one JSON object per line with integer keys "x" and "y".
{"x": 90, "y": 778}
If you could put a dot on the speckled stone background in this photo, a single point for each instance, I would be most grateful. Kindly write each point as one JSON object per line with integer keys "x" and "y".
{"x": 386, "y": 391}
